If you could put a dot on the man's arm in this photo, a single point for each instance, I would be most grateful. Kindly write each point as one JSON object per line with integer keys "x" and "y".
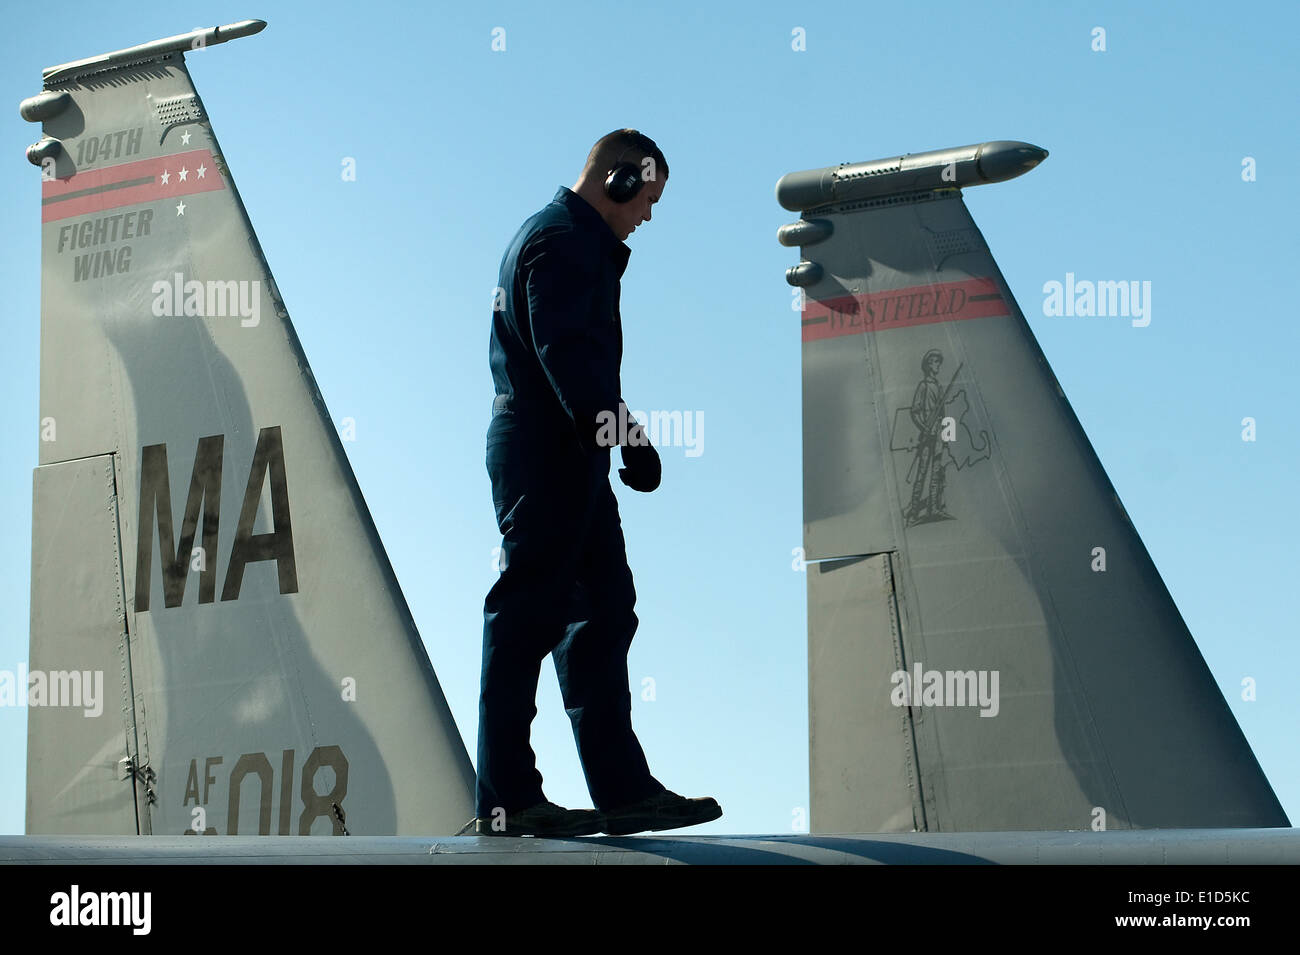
{"x": 643, "y": 469}
{"x": 577, "y": 349}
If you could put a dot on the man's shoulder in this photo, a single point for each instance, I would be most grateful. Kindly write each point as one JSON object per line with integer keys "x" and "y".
{"x": 555, "y": 223}
{"x": 555, "y": 235}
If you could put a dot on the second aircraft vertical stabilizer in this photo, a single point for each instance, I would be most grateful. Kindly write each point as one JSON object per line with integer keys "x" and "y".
{"x": 990, "y": 645}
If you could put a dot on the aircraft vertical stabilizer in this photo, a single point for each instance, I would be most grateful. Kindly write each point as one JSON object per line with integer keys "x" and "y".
{"x": 990, "y": 645}
{"x": 199, "y": 538}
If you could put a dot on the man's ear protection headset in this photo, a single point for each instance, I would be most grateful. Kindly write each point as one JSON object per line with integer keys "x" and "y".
{"x": 624, "y": 180}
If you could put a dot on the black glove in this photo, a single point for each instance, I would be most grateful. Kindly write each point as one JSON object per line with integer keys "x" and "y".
{"x": 643, "y": 468}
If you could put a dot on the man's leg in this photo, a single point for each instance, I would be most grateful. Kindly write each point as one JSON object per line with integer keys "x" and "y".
{"x": 591, "y": 662}
{"x": 542, "y": 505}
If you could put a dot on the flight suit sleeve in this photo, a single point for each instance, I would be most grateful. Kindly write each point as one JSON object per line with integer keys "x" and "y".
{"x": 576, "y": 346}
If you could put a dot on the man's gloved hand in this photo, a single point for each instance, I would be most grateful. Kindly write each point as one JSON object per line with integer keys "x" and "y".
{"x": 642, "y": 469}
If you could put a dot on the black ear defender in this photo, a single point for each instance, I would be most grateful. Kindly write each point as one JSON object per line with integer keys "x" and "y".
{"x": 624, "y": 180}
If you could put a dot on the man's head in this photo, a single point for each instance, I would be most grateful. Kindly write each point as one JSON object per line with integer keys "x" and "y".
{"x": 628, "y": 146}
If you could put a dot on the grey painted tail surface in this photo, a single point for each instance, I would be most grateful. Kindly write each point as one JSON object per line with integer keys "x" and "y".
{"x": 973, "y": 663}
{"x": 199, "y": 538}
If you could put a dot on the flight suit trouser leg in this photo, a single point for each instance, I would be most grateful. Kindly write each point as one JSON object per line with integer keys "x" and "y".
{"x": 542, "y": 501}
{"x": 591, "y": 661}
{"x": 564, "y": 586}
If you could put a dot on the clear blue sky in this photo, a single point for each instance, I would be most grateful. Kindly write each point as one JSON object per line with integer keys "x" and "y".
{"x": 389, "y": 278}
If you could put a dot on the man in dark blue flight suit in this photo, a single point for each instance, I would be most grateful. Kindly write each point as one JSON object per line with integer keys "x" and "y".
{"x": 565, "y": 586}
